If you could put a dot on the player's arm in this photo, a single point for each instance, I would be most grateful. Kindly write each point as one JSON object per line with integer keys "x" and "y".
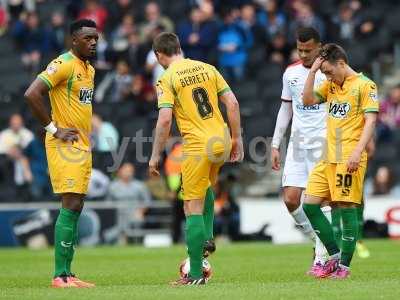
{"x": 233, "y": 113}
{"x": 162, "y": 132}
{"x": 370, "y": 106}
{"x": 34, "y": 96}
{"x": 309, "y": 97}
{"x": 366, "y": 136}
{"x": 282, "y": 122}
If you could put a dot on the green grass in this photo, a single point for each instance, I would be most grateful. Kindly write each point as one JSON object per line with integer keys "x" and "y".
{"x": 241, "y": 271}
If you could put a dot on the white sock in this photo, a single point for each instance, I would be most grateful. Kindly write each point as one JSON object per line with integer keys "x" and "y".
{"x": 321, "y": 255}
{"x": 302, "y": 221}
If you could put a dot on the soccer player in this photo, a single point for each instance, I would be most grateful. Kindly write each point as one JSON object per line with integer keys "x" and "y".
{"x": 190, "y": 91}
{"x": 69, "y": 81}
{"x": 352, "y": 111}
{"x": 307, "y": 136}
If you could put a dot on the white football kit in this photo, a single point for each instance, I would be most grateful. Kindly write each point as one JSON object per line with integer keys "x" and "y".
{"x": 307, "y": 139}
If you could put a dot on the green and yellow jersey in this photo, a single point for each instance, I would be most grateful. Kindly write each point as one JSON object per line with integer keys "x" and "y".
{"x": 191, "y": 88}
{"x": 347, "y": 105}
{"x": 71, "y": 84}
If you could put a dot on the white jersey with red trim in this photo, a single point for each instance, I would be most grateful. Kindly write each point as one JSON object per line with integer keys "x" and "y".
{"x": 309, "y": 122}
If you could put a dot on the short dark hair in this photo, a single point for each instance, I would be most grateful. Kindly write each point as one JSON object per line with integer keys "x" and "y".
{"x": 333, "y": 52}
{"x": 167, "y": 43}
{"x": 77, "y": 25}
{"x": 304, "y": 34}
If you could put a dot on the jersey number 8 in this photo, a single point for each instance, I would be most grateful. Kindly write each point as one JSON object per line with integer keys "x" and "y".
{"x": 200, "y": 97}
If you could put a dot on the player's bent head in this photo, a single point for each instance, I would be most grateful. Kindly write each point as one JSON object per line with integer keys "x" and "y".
{"x": 335, "y": 62}
{"x": 166, "y": 45}
{"x": 333, "y": 53}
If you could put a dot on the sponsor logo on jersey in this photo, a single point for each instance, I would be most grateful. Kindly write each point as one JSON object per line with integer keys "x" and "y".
{"x": 293, "y": 82}
{"x": 308, "y": 107}
{"x": 339, "y": 110}
{"x": 85, "y": 95}
{"x": 373, "y": 95}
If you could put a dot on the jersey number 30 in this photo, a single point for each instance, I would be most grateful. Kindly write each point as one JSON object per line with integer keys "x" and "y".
{"x": 200, "y": 97}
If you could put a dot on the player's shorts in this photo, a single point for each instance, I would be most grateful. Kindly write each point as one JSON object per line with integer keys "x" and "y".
{"x": 70, "y": 169}
{"x": 331, "y": 180}
{"x": 199, "y": 172}
{"x": 299, "y": 164}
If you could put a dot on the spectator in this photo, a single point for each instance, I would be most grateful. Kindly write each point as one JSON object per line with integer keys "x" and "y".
{"x": 389, "y": 116}
{"x": 232, "y": 46}
{"x": 154, "y": 19}
{"x": 197, "y": 35}
{"x": 33, "y": 39}
{"x": 40, "y": 188}
{"x": 22, "y": 173}
{"x": 305, "y": 17}
{"x": 153, "y": 67}
{"x": 133, "y": 193}
{"x": 272, "y": 19}
{"x": 278, "y": 50}
{"x": 119, "y": 37}
{"x": 172, "y": 167}
{"x": 18, "y": 7}
{"x": 115, "y": 84}
{"x": 15, "y": 136}
{"x": 117, "y": 10}
{"x": 345, "y": 24}
{"x": 3, "y": 20}
{"x": 142, "y": 93}
{"x": 256, "y": 34}
{"x": 58, "y": 30}
{"x": 383, "y": 183}
{"x": 104, "y": 134}
{"x": 98, "y": 185}
{"x": 93, "y": 10}
{"x": 135, "y": 53}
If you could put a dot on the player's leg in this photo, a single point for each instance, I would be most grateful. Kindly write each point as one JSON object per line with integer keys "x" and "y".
{"x": 337, "y": 225}
{"x": 66, "y": 233}
{"x": 362, "y": 250}
{"x": 208, "y": 214}
{"x": 195, "y": 181}
{"x": 70, "y": 173}
{"x": 347, "y": 198}
{"x": 316, "y": 193}
{"x": 294, "y": 180}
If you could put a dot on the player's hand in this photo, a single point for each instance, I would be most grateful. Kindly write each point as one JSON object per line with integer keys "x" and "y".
{"x": 237, "y": 152}
{"x": 67, "y": 134}
{"x": 153, "y": 166}
{"x": 275, "y": 159}
{"x": 354, "y": 161}
{"x": 317, "y": 64}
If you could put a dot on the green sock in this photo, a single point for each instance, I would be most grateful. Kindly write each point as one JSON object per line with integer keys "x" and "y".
{"x": 360, "y": 218}
{"x": 64, "y": 239}
{"x": 337, "y": 226}
{"x": 350, "y": 233}
{"x": 321, "y": 226}
{"x": 208, "y": 214}
{"x": 72, "y": 251}
{"x": 195, "y": 237}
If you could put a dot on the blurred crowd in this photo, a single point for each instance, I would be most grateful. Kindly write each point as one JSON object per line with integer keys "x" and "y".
{"x": 251, "y": 42}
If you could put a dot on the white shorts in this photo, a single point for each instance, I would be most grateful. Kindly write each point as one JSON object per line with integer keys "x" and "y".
{"x": 298, "y": 165}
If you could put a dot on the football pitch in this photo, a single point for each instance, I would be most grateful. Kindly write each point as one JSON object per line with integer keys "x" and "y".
{"x": 241, "y": 271}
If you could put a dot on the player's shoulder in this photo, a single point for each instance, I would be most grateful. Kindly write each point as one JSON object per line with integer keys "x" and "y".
{"x": 64, "y": 60}
{"x": 293, "y": 69}
{"x": 365, "y": 80}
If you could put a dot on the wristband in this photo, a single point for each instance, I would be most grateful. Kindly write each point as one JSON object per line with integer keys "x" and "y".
{"x": 51, "y": 128}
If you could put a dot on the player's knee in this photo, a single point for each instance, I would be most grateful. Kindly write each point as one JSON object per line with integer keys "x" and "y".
{"x": 292, "y": 201}
{"x": 73, "y": 202}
